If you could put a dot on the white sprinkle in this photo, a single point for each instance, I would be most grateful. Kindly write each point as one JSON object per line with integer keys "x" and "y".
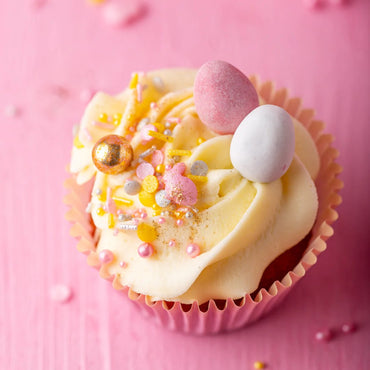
{"x": 125, "y": 226}
{"x": 148, "y": 152}
{"x": 60, "y": 293}
{"x": 98, "y": 191}
{"x": 88, "y": 208}
{"x": 167, "y": 132}
{"x": 158, "y": 83}
{"x": 161, "y": 200}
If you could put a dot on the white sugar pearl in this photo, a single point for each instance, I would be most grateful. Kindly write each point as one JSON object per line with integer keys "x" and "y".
{"x": 262, "y": 147}
{"x": 132, "y": 187}
{"x": 161, "y": 200}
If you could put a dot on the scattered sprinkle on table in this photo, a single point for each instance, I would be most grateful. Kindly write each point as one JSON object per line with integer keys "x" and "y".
{"x": 60, "y": 293}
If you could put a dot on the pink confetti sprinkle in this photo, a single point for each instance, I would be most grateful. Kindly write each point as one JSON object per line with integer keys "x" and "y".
{"x": 60, "y": 293}
{"x": 145, "y": 132}
{"x": 104, "y": 125}
{"x": 118, "y": 15}
{"x": 157, "y": 158}
{"x": 180, "y": 222}
{"x": 106, "y": 256}
{"x": 144, "y": 170}
{"x": 174, "y": 119}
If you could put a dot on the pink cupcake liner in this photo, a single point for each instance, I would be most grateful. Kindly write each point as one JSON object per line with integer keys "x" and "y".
{"x": 219, "y": 316}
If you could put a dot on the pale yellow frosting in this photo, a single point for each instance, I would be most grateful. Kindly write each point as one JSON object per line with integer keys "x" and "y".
{"x": 240, "y": 226}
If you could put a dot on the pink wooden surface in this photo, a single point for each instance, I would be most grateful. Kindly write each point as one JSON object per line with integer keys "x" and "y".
{"x": 48, "y": 56}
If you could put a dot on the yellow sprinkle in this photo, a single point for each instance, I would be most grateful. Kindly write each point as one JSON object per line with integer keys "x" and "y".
{"x": 100, "y": 211}
{"x": 159, "y": 126}
{"x": 200, "y": 140}
{"x": 156, "y": 213}
{"x": 146, "y": 233}
{"x": 179, "y": 152}
{"x": 150, "y": 184}
{"x": 160, "y": 168}
{"x": 134, "y": 80}
{"x": 198, "y": 178}
{"x": 102, "y": 197}
{"x": 160, "y": 136}
{"x": 127, "y": 202}
{"x": 110, "y": 221}
{"x": 103, "y": 117}
{"x": 77, "y": 143}
{"x": 117, "y": 119}
{"x": 259, "y": 365}
{"x": 146, "y": 199}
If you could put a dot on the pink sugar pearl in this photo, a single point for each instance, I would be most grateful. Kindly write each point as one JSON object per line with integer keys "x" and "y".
{"x": 348, "y": 327}
{"x": 145, "y": 250}
{"x": 324, "y": 335}
{"x": 106, "y": 256}
{"x": 172, "y": 243}
{"x": 60, "y": 293}
{"x": 223, "y": 96}
{"x": 193, "y": 250}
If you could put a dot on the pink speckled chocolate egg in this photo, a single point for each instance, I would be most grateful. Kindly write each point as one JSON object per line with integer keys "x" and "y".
{"x": 223, "y": 96}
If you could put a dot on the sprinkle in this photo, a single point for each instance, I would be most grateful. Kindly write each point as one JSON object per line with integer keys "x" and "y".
{"x": 146, "y": 199}
{"x": 161, "y": 220}
{"x": 123, "y": 264}
{"x": 188, "y": 214}
{"x": 124, "y": 217}
{"x": 87, "y": 134}
{"x": 167, "y": 132}
{"x": 193, "y": 250}
{"x": 139, "y": 92}
{"x": 100, "y": 211}
{"x": 117, "y": 118}
{"x": 145, "y": 132}
{"x": 174, "y": 119}
{"x": 180, "y": 222}
{"x": 160, "y": 136}
{"x": 349, "y": 327}
{"x": 132, "y": 187}
{"x": 168, "y": 125}
{"x": 159, "y": 126}
{"x": 259, "y": 365}
{"x": 146, "y": 233}
{"x": 150, "y": 184}
{"x": 144, "y": 170}
{"x": 200, "y": 140}
{"x": 158, "y": 83}
{"x": 153, "y": 105}
{"x": 127, "y": 202}
{"x": 11, "y": 111}
{"x": 117, "y": 15}
{"x": 324, "y": 335}
{"x": 77, "y": 143}
{"x": 179, "y": 152}
{"x": 127, "y": 226}
{"x": 103, "y": 125}
{"x": 142, "y": 123}
{"x": 60, "y": 293}
{"x": 110, "y": 221}
{"x": 148, "y": 152}
{"x": 198, "y": 178}
{"x": 106, "y": 256}
{"x": 172, "y": 243}
{"x": 156, "y": 213}
{"x": 160, "y": 168}
{"x": 98, "y": 191}
{"x": 161, "y": 200}
{"x": 145, "y": 250}
{"x": 157, "y": 158}
{"x": 199, "y": 168}
{"x": 88, "y": 208}
{"x": 103, "y": 117}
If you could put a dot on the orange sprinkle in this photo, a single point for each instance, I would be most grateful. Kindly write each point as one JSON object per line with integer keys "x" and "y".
{"x": 103, "y": 117}
{"x": 200, "y": 140}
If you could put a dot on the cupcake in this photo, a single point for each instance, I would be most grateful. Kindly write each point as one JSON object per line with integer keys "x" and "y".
{"x": 202, "y": 195}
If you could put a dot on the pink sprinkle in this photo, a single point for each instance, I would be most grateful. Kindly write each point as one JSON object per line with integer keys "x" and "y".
{"x": 193, "y": 250}
{"x": 110, "y": 204}
{"x": 153, "y": 105}
{"x": 348, "y": 327}
{"x": 168, "y": 167}
{"x": 143, "y": 170}
{"x": 117, "y": 15}
{"x": 106, "y": 256}
{"x": 143, "y": 214}
{"x": 157, "y": 158}
{"x": 174, "y": 119}
{"x": 324, "y": 335}
{"x": 172, "y": 243}
{"x": 180, "y": 222}
{"x": 145, "y": 132}
{"x": 104, "y": 125}
{"x": 139, "y": 90}
{"x": 60, "y": 293}
{"x": 161, "y": 220}
{"x": 123, "y": 264}
{"x": 87, "y": 134}
{"x": 145, "y": 250}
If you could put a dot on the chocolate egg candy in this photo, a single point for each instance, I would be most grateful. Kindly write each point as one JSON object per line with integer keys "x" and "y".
{"x": 112, "y": 154}
{"x": 262, "y": 147}
{"x": 223, "y": 96}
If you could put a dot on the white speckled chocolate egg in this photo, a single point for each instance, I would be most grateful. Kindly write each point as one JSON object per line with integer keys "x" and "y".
{"x": 262, "y": 147}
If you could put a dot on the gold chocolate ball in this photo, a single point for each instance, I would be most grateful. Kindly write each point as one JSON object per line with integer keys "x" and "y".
{"x": 112, "y": 154}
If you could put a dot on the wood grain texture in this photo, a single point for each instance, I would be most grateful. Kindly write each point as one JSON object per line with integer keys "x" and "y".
{"x": 48, "y": 56}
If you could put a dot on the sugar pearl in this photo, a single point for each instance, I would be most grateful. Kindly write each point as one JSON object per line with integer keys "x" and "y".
{"x": 349, "y": 327}
{"x": 193, "y": 250}
{"x": 324, "y": 335}
{"x": 106, "y": 256}
{"x": 60, "y": 293}
{"x": 199, "y": 168}
{"x": 172, "y": 243}
{"x": 161, "y": 200}
{"x": 145, "y": 250}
